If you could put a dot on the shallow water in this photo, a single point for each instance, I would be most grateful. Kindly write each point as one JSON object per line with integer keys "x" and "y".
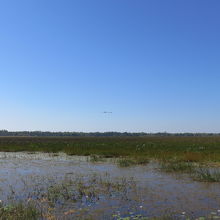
{"x": 156, "y": 193}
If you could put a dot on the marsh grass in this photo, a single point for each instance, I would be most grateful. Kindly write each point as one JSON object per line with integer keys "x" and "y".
{"x": 133, "y": 161}
{"x": 19, "y": 212}
{"x": 96, "y": 158}
{"x": 125, "y": 162}
{"x": 186, "y": 149}
{"x": 198, "y": 172}
{"x": 141, "y": 160}
{"x": 206, "y": 175}
{"x": 90, "y": 189}
{"x": 67, "y": 198}
{"x": 177, "y": 166}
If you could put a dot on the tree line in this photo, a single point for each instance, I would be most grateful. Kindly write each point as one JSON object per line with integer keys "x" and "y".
{"x": 97, "y": 134}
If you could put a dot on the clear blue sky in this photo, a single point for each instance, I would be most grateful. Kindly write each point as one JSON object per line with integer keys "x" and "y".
{"x": 154, "y": 63}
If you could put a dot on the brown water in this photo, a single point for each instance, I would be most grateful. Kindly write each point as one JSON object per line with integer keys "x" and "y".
{"x": 155, "y": 193}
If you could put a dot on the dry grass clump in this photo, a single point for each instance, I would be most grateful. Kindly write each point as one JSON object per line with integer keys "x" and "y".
{"x": 193, "y": 157}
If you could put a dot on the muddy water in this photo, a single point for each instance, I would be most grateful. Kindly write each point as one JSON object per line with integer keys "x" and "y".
{"x": 158, "y": 194}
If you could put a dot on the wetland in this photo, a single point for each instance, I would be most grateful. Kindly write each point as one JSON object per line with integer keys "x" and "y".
{"x": 95, "y": 183}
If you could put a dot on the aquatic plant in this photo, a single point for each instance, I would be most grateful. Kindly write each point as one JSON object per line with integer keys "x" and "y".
{"x": 131, "y": 161}
{"x": 125, "y": 162}
{"x": 207, "y": 175}
{"x": 96, "y": 158}
{"x": 177, "y": 166}
{"x": 19, "y": 211}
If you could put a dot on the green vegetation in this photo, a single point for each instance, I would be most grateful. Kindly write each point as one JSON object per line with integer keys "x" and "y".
{"x": 190, "y": 155}
{"x": 198, "y": 172}
{"x": 96, "y": 158}
{"x": 127, "y": 162}
{"x": 63, "y": 199}
{"x": 7, "y": 133}
{"x": 207, "y": 175}
{"x": 124, "y": 162}
{"x": 186, "y": 149}
{"x": 19, "y": 212}
{"x": 176, "y": 166}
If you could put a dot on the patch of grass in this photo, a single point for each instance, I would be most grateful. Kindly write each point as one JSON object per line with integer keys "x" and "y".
{"x": 19, "y": 212}
{"x": 126, "y": 162}
{"x": 62, "y": 199}
{"x": 96, "y": 158}
{"x": 207, "y": 175}
{"x": 89, "y": 189}
{"x": 141, "y": 160}
{"x": 177, "y": 166}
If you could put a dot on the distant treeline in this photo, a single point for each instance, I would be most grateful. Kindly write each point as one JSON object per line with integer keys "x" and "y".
{"x": 98, "y": 134}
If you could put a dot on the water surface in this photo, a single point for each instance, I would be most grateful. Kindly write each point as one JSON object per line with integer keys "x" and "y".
{"x": 155, "y": 193}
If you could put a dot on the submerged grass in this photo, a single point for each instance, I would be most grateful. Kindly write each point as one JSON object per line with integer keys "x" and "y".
{"x": 197, "y": 171}
{"x": 19, "y": 212}
{"x": 96, "y": 158}
{"x": 69, "y": 198}
{"x": 207, "y": 175}
{"x": 127, "y": 162}
{"x": 177, "y": 166}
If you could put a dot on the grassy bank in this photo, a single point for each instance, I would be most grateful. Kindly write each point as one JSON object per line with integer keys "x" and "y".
{"x": 188, "y": 149}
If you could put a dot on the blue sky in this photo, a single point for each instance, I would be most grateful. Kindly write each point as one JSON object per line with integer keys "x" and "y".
{"x": 155, "y": 64}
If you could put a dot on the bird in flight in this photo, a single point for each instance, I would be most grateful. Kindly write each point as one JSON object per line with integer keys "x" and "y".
{"x": 105, "y": 112}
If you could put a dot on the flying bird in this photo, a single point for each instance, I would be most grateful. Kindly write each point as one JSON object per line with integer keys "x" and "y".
{"x": 105, "y": 112}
